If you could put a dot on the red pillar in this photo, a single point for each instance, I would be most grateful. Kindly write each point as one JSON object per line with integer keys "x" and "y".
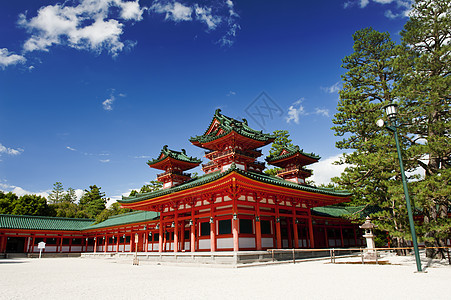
{"x": 193, "y": 235}
{"x": 236, "y": 245}
{"x": 132, "y": 238}
{"x": 95, "y": 244}
{"x": 310, "y": 229}
{"x": 146, "y": 243}
{"x": 105, "y": 245}
{"x": 117, "y": 242}
{"x": 212, "y": 236}
{"x": 176, "y": 234}
{"x": 182, "y": 235}
{"x": 296, "y": 234}
{"x": 160, "y": 236}
{"x": 341, "y": 236}
{"x": 2, "y": 244}
{"x": 278, "y": 233}
{"x": 290, "y": 234}
{"x": 258, "y": 230}
{"x": 325, "y": 235}
{"x": 236, "y": 242}
{"x": 61, "y": 243}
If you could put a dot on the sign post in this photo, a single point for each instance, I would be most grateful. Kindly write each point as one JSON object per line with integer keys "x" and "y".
{"x": 41, "y": 246}
{"x": 135, "y": 259}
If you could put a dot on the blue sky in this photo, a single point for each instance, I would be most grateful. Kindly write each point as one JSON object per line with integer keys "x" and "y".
{"x": 92, "y": 89}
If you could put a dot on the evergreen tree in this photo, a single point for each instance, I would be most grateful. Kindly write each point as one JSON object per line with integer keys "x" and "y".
{"x": 57, "y": 194}
{"x": 282, "y": 140}
{"x": 425, "y": 90}
{"x": 31, "y": 205}
{"x": 7, "y": 202}
{"x": 70, "y": 196}
{"x": 153, "y": 186}
{"x": 92, "y": 202}
{"x": 373, "y": 175}
{"x": 115, "y": 209}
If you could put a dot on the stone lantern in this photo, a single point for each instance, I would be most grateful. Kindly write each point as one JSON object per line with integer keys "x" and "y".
{"x": 369, "y": 236}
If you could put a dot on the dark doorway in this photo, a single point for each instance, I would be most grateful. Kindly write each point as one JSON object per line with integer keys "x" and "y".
{"x": 15, "y": 245}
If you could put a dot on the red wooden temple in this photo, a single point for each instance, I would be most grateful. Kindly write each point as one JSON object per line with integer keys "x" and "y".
{"x": 234, "y": 206}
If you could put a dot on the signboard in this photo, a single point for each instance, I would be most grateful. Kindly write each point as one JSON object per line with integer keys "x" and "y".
{"x": 41, "y": 246}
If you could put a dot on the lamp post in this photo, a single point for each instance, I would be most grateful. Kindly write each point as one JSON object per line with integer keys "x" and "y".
{"x": 391, "y": 111}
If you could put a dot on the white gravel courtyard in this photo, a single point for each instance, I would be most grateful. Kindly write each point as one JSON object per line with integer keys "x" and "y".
{"x": 77, "y": 278}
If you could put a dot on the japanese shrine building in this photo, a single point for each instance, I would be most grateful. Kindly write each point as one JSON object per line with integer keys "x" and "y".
{"x": 234, "y": 206}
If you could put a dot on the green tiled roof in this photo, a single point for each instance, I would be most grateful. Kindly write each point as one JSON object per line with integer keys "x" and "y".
{"x": 337, "y": 211}
{"x": 228, "y": 125}
{"x": 42, "y": 223}
{"x": 216, "y": 175}
{"x": 291, "y": 151}
{"x": 165, "y": 152}
{"x": 128, "y": 218}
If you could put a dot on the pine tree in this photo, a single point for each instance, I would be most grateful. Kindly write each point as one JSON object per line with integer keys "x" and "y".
{"x": 93, "y": 202}
{"x": 57, "y": 194}
{"x": 373, "y": 175}
{"x": 282, "y": 140}
{"x": 425, "y": 90}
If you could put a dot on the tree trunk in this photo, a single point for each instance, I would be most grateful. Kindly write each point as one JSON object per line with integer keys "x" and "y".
{"x": 399, "y": 242}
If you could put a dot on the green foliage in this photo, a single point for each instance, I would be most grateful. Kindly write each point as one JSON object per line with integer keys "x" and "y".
{"x": 272, "y": 171}
{"x": 416, "y": 76}
{"x": 31, "y": 205}
{"x": 281, "y": 140}
{"x": 93, "y": 202}
{"x": 153, "y": 186}
{"x": 7, "y": 202}
{"x": 115, "y": 209}
{"x": 57, "y": 194}
{"x": 425, "y": 93}
{"x": 70, "y": 196}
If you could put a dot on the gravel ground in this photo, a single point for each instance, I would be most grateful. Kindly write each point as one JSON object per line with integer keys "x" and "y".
{"x": 77, "y": 278}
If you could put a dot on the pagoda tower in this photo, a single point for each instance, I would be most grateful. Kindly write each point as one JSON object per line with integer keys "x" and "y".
{"x": 231, "y": 141}
{"x": 292, "y": 160}
{"x": 173, "y": 163}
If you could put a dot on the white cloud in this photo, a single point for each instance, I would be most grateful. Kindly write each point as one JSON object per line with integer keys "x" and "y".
{"x": 295, "y": 111}
{"x": 364, "y": 3}
{"x": 204, "y": 15}
{"x": 324, "y": 170}
{"x": 71, "y": 149}
{"x": 7, "y": 58}
{"x": 333, "y": 88}
{"x": 90, "y": 25}
{"x": 213, "y": 14}
{"x": 131, "y": 10}
{"x": 108, "y": 103}
{"x": 20, "y": 191}
{"x": 231, "y": 93}
{"x": 98, "y": 25}
{"x": 399, "y": 8}
{"x": 10, "y": 151}
{"x": 104, "y": 160}
{"x": 174, "y": 11}
{"x": 322, "y": 112}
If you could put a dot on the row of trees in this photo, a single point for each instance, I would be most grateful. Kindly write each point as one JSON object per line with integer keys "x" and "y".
{"x": 415, "y": 75}
{"x": 61, "y": 203}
